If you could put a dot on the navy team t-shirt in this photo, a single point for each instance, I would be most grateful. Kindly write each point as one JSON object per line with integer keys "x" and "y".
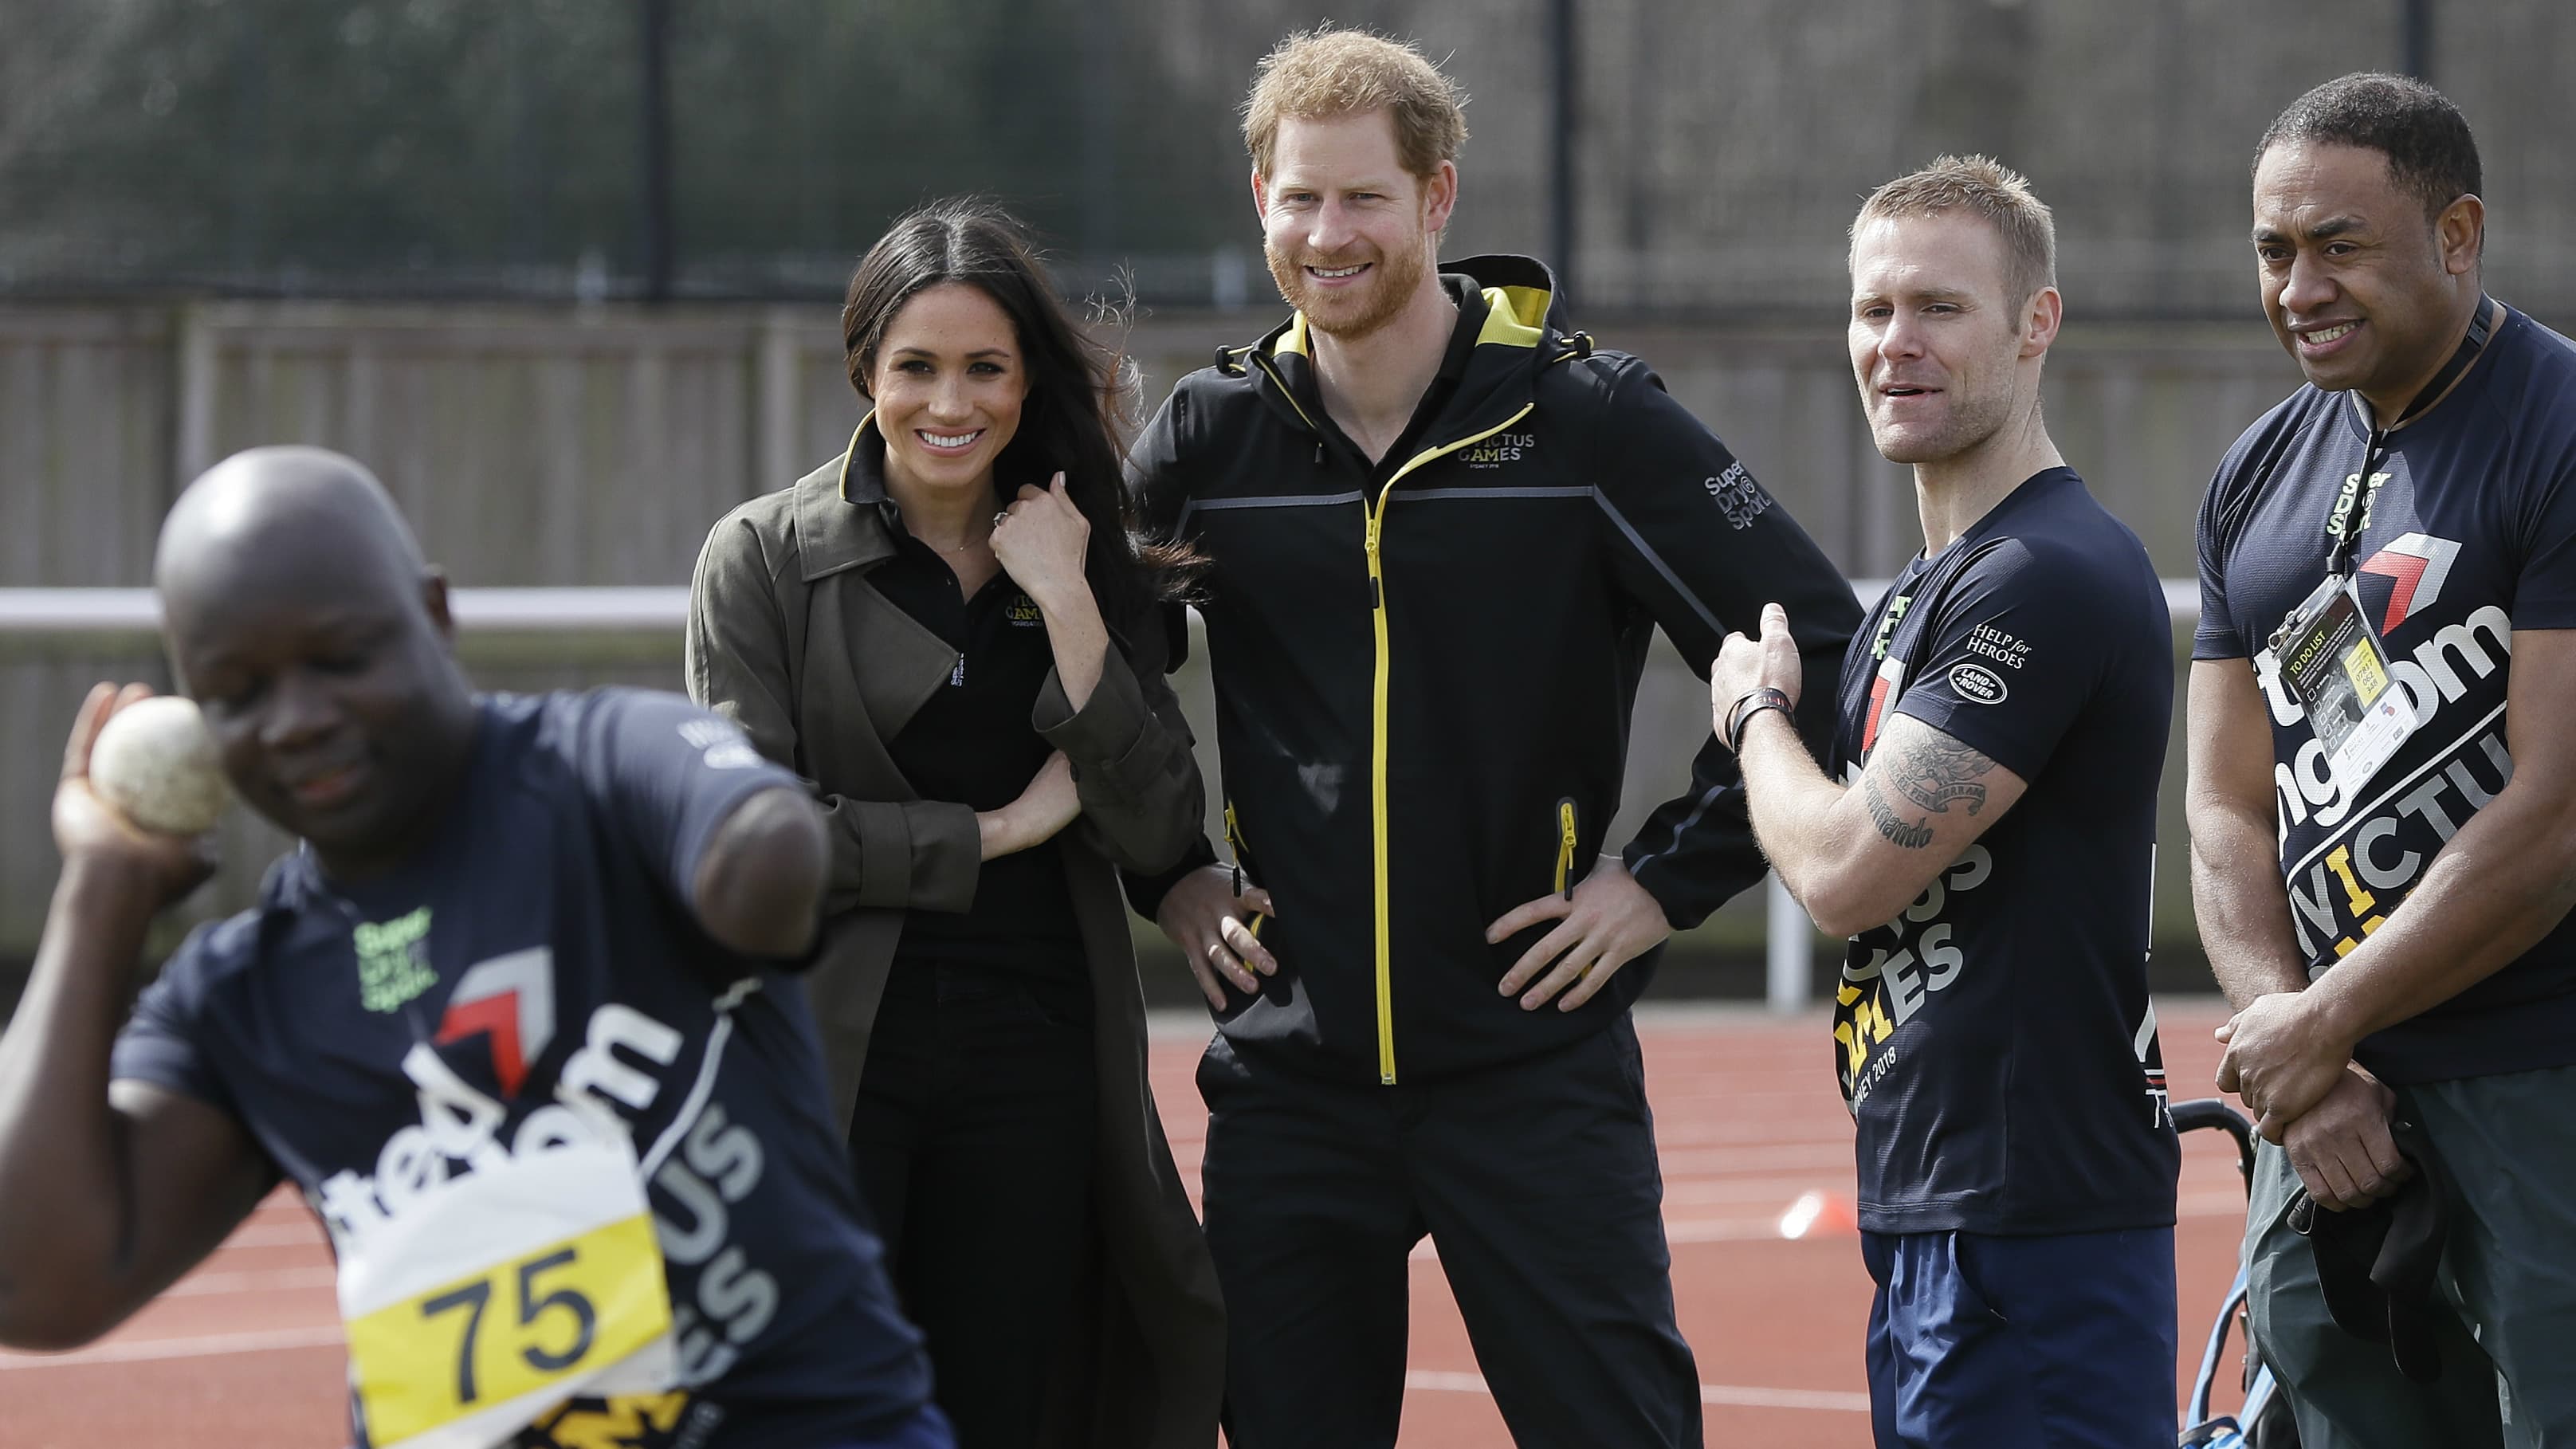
{"x": 1995, "y": 1041}
{"x": 2471, "y": 536}
{"x": 540, "y": 943}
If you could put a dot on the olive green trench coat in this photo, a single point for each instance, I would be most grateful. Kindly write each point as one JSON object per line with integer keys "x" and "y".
{"x": 787, "y": 639}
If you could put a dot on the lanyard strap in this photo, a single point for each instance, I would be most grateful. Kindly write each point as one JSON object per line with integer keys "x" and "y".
{"x": 2351, "y": 511}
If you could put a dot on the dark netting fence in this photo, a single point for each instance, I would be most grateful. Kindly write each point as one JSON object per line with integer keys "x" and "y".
{"x": 1698, "y": 156}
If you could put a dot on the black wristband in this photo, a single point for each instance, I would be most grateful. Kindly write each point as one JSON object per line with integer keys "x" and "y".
{"x": 1753, "y": 703}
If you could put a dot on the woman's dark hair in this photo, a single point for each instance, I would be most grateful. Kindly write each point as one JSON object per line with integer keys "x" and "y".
{"x": 1076, "y": 389}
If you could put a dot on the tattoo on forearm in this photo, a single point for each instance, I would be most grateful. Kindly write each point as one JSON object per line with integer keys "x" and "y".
{"x": 1935, "y": 770}
{"x": 1909, "y": 837}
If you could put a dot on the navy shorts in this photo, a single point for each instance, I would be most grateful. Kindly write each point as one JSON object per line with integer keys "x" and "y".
{"x": 2001, "y": 1343}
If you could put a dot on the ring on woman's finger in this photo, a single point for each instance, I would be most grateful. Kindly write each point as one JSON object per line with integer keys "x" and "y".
{"x": 998, "y": 517}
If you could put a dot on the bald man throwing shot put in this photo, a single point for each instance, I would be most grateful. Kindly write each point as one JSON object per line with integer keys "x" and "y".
{"x": 511, "y": 1018}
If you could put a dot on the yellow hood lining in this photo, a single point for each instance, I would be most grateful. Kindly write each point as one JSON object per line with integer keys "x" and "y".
{"x": 1514, "y": 317}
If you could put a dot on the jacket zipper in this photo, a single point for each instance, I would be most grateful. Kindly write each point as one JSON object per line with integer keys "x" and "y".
{"x": 1378, "y": 733}
{"x": 1565, "y": 847}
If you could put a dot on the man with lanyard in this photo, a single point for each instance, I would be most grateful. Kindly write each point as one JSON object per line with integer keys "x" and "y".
{"x": 1989, "y": 850}
{"x": 500, "y": 1020}
{"x": 2388, "y": 582}
{"x": 1440, "y": 531}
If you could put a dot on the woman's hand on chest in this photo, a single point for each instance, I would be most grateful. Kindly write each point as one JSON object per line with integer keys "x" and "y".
{"x": 1042, "y": 541}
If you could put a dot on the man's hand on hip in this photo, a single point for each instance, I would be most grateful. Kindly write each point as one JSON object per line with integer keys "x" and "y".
{"x": 2342, "y": 1147}
{"x": 1214, "y": 928}
{"x": 1609, "y": 921}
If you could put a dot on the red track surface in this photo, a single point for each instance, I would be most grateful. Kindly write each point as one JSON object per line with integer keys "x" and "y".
{"x": 245, "y": 1353}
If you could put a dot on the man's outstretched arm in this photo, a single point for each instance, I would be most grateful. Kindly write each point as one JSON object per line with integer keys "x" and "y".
{"x": 759, "y": 885}
{"x": 107, "y": 1193}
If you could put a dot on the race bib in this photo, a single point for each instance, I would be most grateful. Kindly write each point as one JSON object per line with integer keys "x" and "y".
{"x": 499, "y": 1294}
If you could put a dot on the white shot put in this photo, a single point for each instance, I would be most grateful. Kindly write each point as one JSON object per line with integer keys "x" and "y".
{"x": 156, "y": 764}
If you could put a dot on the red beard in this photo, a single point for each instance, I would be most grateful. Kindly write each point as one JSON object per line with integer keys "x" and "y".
{"x": 1350, "y": 315}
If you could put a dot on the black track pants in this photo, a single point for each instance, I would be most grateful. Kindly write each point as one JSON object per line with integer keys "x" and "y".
{"x": 1538, "y": 1183}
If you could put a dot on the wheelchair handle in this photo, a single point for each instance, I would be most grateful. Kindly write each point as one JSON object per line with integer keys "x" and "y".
{"x": 2211, "y": 1112}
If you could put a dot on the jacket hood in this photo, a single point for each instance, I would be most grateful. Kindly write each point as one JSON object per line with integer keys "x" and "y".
{"x": 1520, "y": 328}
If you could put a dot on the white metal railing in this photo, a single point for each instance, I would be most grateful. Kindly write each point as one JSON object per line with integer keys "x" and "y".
{"x": 493, "y": 611}
{"x": 1788, "y": 937}
{"x": 540, "y": 611}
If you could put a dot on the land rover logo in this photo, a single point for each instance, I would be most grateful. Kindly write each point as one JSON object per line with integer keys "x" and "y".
{"x": 1977, "y": 684}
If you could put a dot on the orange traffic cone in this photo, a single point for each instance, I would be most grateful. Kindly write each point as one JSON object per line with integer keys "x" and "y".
{"x": 1819, "y": 1215}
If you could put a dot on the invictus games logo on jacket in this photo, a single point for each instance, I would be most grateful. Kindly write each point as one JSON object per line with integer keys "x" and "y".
{"x": 1499, "y": 449}
{"x": 1738, "y": 497}
{"x": 393, "y": 960}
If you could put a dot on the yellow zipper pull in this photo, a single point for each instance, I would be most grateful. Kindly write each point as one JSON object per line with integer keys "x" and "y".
{"x": 1565, "y": 847}
{"x": 1234, "y": 842}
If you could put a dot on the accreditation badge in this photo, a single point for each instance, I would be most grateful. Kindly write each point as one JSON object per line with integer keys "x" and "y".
{"x": 496, "y": 1295}
{"x": 2332, "y": 663}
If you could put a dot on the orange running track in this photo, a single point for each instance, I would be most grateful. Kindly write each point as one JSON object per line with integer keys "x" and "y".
{"x": 245, "y": 1353}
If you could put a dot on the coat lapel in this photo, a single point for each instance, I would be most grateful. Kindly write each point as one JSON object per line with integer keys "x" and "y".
{"x": 896, "y": 662}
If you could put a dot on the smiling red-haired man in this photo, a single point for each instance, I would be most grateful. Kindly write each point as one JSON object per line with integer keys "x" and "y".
{"x": 1440, "y": 530}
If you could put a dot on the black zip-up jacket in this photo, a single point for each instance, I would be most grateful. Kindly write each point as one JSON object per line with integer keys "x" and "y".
{"x": 1424, "y": 668}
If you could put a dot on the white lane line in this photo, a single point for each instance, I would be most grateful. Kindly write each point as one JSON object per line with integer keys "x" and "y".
{"x": 1766, "y": 1227}
{"x": 211, "y": 1345}
{"x": 1736, "y": 1396}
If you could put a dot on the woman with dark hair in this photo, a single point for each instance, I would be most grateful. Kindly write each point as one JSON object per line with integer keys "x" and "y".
{"x": 951, "y": 632}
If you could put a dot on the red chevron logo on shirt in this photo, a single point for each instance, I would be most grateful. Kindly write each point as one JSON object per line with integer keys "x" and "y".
{"x": 512, "y": 1000}
{"x": 1891, "y": 673}
{"x": 2415, "y": 566}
